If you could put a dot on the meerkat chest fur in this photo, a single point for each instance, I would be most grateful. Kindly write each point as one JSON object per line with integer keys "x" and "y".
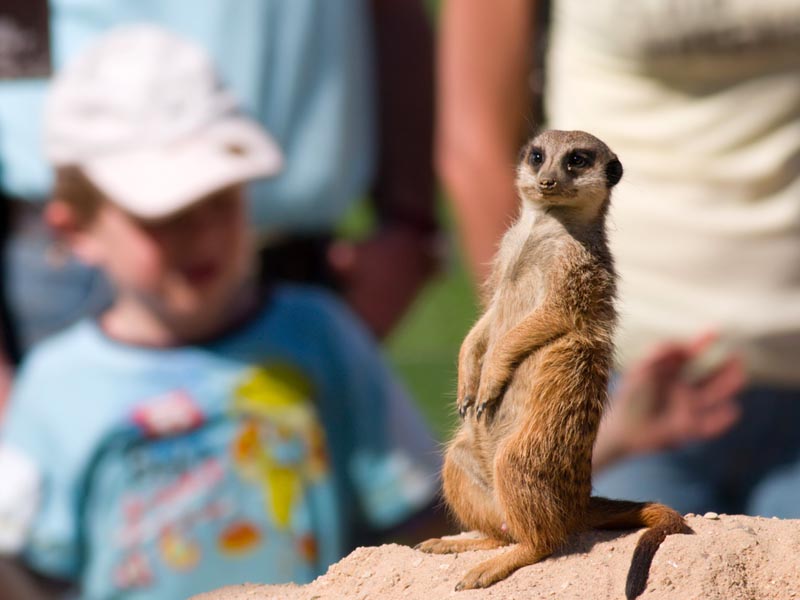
{"x": 528, "y": 251}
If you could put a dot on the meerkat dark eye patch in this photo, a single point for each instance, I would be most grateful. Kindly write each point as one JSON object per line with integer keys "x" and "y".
{"x": 613, "y": 172}
{"x": 579, "y": 159}
{"x": 536, "y": 156}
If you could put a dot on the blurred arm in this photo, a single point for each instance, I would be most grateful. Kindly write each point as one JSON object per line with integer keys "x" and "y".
{"x": 404, "y": 188}
{"x": 485, "y": 63}
{"x": 382, "y": 275}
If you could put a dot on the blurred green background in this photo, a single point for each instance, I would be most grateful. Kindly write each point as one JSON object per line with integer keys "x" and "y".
{"x": 424, "y": 348}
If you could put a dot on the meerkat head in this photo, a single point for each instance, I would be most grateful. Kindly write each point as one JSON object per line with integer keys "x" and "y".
{"x": 570, "y": 169}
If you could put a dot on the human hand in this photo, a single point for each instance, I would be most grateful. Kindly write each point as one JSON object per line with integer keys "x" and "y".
{"x": 657, "y": 406}
{"x": 381, "y": 276}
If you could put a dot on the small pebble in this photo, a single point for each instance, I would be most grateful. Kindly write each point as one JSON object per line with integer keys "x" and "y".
{"x": 417, "y": 562}
{"x": 711, "y": 515}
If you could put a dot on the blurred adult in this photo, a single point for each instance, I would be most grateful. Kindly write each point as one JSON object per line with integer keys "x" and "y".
{"x": 346, "y": 88}
{"x": 701, "y": 101}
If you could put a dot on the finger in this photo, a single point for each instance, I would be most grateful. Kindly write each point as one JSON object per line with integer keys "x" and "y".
{"x": 727, "y": 381}
{"x": 663, "y": 358}
{"x": 702, "y": 341}
{"x": 718, "y": 421}
{"x": 722, "y": 391}
{"x": 707, "y": 360}
{"x": 682, "y": 417}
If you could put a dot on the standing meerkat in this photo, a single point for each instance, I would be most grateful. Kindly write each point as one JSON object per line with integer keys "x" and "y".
{"x": 533, "y": 375}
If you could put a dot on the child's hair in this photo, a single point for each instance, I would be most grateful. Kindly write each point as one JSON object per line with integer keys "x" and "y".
{"x": 74, "y": 188}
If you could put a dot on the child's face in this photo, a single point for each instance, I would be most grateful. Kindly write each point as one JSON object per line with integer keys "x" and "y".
{"x": 187, "y": 267}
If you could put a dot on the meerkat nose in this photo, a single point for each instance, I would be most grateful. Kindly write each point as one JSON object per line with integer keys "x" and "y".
{"x": 547, "y": 184}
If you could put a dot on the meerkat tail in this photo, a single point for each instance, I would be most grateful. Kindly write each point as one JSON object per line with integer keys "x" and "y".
{"x": 660, "y": 520}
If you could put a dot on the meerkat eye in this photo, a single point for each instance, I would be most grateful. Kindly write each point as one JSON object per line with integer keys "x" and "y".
{"x": 579, "y": 160}
{"x": 576, "y": 160}
{"x": 536, "y": 157}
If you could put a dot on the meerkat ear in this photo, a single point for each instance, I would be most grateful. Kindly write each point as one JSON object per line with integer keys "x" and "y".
{"x": 613, "y": 172}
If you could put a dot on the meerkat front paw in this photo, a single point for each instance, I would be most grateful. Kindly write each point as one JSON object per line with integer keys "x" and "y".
{"x": 489, "y": 394}
{"x": 465, "y": 405}
{"x": 484, "y": 403}
{"x": 465, "y": 401}
{"x": 468, "y": 384}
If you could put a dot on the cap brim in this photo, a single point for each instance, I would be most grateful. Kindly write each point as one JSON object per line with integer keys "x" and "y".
{"x": 159, "y": 181}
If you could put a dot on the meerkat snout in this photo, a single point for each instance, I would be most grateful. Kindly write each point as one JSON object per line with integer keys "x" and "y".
{"x": 547, "y": 184}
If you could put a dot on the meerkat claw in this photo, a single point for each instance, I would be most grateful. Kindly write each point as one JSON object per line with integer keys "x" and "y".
{"x": 464, "y": 407}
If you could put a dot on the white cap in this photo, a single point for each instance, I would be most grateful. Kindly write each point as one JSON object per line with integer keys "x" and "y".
{"x": 144, "y": 115}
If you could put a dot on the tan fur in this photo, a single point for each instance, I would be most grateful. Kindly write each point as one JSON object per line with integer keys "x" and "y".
{"x": 533, "y": 371}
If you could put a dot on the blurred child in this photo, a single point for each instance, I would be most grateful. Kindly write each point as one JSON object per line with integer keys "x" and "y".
{"x": 201, "y": 431}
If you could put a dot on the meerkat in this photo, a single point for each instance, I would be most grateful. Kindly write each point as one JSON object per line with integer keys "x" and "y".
{"x": 533, "y": 375}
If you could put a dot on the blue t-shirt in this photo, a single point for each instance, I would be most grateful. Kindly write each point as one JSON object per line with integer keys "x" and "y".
{"x": 160, "y": 473}
{"x": 302, "y": 68}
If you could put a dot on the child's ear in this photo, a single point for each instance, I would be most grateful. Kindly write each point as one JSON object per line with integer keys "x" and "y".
{"x": 71, "y": 231}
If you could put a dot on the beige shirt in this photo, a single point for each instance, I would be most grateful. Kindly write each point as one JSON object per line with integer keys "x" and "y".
{"x": 700, "y": 99}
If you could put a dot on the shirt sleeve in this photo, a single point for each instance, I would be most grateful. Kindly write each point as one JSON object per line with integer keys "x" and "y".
{"x": 38, "y": 512}
{"x": 392, "y": 460}
{"x": 19, "y": 498}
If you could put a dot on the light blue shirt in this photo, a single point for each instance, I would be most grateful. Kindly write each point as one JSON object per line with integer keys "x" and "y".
{"x": 300, "y": 67}
{"x": 168, "y": 472}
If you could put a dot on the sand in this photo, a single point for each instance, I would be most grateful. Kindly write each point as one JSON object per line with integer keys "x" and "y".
{"x": 727, "y": 558}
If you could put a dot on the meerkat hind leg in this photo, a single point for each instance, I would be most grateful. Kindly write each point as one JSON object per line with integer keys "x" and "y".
{"x": 473, "y": 505}
{"x": 499, "y": 567}
{"x": 457, "y": 545}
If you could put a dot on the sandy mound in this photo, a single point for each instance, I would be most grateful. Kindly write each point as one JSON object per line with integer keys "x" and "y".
{"x": 728, "y": 558}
